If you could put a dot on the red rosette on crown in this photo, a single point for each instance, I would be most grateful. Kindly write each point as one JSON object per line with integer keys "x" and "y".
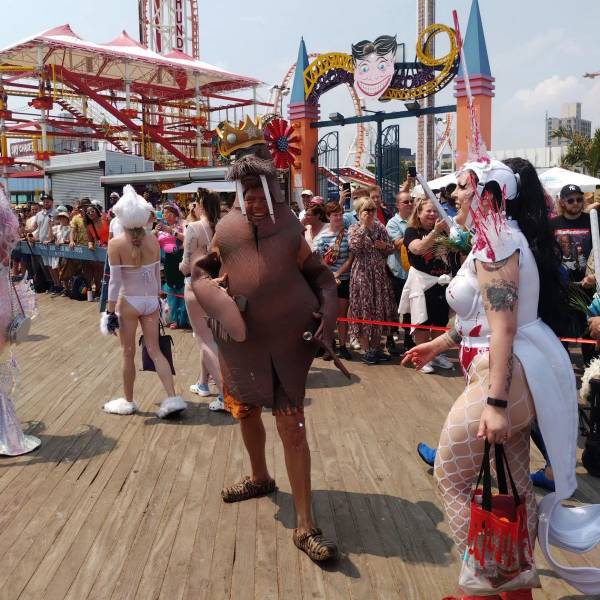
{"x": 281, "y": 141}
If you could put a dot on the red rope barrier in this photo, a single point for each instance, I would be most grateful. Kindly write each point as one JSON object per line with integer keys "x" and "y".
{"x": 429, "y": 328}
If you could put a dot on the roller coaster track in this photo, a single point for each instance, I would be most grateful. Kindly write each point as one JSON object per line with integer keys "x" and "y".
{"x": 359, "y": 140}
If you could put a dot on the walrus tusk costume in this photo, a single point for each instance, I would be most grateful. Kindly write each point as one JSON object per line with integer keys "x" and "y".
{"x": 279, "y": 304}
{"x": 267, "y": 363}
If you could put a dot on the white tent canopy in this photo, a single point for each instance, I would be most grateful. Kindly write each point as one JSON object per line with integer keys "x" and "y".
{"x": 556, "y": 178}
{"x": 192, "y": 188}
{"x": 436, "y": 184}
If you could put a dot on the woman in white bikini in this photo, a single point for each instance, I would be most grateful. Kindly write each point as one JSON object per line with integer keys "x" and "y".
{"x": 133, "y": 291}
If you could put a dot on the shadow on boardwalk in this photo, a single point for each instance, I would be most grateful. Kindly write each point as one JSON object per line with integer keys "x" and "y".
{"x": 386, "y": 521}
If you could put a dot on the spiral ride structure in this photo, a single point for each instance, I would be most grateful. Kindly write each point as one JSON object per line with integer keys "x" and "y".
{"x": 358, "y": 145}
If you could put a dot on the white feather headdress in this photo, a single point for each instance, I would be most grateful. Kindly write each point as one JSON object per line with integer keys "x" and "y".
{"x": 132, "y": 210}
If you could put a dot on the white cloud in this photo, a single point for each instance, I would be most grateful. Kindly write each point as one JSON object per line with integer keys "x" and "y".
{"x": 547, "y": 94}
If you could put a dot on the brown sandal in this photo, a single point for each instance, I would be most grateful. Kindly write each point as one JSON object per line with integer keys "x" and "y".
{"x": 246, "y": 489}
{"x": 317, "y": 547}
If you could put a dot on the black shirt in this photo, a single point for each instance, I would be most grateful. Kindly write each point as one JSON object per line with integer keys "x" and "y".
{"x": 574, "y": 236}
{"x": 427, "y": 263}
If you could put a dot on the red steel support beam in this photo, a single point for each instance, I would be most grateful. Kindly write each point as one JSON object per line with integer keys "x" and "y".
{"x": 77, "y": 84}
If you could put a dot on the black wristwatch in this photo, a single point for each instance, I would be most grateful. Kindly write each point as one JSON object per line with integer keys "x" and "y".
{"x": 497, "y": 402}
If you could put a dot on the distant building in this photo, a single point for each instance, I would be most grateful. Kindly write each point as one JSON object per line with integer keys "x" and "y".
{"x": 569, "y": 119}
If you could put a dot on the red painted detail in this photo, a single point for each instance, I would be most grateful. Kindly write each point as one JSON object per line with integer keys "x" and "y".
{"x": 42, "y": 155}
{"x": 35, "y": 174}
{"x": 130, "y": 113}
{"x": 6, "y": 161}
{"x": 6, "y": 115}
{"x": 42, "y": 103}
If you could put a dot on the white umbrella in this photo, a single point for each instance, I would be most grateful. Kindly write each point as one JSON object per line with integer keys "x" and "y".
{"x": 192, "y": 188}
{"x": 435, "y": 184}
{"x": 556, "y": 178}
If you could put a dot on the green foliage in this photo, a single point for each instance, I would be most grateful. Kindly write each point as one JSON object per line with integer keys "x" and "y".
{"x": 583, "y": 152}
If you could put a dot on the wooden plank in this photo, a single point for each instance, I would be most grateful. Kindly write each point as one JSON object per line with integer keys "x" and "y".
{"x": 130, "y": 507}
{"x": 173, "y": 586}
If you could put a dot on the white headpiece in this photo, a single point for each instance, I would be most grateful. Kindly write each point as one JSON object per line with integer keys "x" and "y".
{"x": 497, "y": 171}
{"x": 132, "y": 210}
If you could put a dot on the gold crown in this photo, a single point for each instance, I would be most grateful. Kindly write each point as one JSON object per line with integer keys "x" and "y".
{"x": 247, "y": 134}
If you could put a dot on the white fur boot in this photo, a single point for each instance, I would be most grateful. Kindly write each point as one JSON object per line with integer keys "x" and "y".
{"x": 120, "y": 406}
{"x": 170, "y": 406}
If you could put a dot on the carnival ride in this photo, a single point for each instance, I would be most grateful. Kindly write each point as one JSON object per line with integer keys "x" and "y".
{"x": 166, "y": 26}
{"x": 162, "y": 107}
{"x": 357, "y": 148}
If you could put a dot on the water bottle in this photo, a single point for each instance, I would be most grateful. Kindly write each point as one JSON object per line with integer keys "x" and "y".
{"x": 90, "y": 293}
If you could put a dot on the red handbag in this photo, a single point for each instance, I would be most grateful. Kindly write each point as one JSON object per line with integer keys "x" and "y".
{"x": 499, "y": 554}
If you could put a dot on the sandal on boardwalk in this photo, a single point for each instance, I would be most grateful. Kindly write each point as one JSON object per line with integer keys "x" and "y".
{"x": 317, "y": 547}
{"x": 246, "y": 489}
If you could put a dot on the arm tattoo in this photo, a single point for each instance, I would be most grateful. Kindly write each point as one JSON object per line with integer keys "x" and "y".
{"x": 500, "y": 294}
{"x": 494, "y": 266}
{"x": 509, "y": 372}
{"x": 452, "y": 338}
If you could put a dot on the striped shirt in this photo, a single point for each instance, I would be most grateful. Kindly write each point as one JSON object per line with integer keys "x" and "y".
{"x": 325, "y": 240}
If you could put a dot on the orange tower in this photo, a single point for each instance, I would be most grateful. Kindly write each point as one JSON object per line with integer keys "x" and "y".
{"x": 482, "y": 87}
{"x": 301, "y": 114}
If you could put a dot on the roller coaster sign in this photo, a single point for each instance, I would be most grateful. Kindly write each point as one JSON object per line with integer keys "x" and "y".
{"x": 374, "y": 72}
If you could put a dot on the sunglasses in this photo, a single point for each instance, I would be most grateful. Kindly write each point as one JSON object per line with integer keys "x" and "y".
{"x": 573, "y": 200}
{"x": 369, "y": 210}
{"x": 408, "y": 202}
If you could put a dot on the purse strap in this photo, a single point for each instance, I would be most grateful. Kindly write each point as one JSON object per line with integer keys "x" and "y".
{"x": 501, "y": 463}
{"x": 485, "y": 473}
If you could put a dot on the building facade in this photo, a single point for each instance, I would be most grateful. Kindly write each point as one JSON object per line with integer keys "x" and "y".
{"x": 570, "y": 119}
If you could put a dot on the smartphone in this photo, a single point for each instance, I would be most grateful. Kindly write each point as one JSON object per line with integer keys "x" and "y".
{"x": 412, "y": 171}
{"x": 159, "y": 215}
{"x": 347, "y": 187}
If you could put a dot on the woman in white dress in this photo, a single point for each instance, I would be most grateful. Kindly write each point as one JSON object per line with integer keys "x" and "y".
{"x": 12, "y": 439}
{"x": 505, "y": 296}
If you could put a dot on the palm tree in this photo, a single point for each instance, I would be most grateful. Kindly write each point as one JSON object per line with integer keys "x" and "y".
{"x": 583, "y": 152}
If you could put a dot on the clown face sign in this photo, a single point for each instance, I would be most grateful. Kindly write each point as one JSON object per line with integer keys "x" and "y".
{"x": 374, "y": 65}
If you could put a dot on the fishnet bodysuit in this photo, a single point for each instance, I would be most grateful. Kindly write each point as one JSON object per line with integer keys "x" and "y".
{"x": 460, "y": 453}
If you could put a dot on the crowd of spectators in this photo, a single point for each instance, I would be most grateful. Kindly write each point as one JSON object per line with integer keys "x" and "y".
{"x": 46, "y": 225}
{"x": 369, "y": 248}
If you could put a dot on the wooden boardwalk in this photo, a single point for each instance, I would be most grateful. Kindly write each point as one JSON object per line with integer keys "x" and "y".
{"x": 129, "y": 508}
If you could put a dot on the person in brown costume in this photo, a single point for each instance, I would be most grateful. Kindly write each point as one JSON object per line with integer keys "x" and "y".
{"x": 286, "y": 296}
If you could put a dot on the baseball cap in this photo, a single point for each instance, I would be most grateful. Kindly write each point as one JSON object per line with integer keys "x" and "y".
{"x": 307, "y": 193}
{"x": 570, "y": 189}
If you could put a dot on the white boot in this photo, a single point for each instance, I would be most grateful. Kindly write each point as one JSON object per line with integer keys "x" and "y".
{"x": 171, "y": 406}
{"x": 120, "y": 406}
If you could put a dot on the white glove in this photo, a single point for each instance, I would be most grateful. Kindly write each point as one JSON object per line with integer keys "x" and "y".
{"x": 109, "y": 323}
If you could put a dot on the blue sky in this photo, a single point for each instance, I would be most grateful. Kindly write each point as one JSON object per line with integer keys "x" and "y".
{"x": 538, "y": 49}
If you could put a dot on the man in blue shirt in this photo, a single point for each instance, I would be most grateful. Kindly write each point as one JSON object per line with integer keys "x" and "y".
{"x": 396, "y": 227}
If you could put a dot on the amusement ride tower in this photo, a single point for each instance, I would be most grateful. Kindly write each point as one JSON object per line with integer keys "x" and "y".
{"x": 167, "y": 25}
{"x": 426, "y": 124}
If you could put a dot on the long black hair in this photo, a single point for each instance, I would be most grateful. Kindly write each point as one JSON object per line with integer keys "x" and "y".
{"x": 530, "y": 211}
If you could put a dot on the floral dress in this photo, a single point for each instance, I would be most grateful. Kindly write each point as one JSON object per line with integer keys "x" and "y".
{"x": 371, "y": 292}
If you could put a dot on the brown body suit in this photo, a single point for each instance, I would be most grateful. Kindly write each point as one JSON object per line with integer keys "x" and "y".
{"x": 270, "y": 367}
